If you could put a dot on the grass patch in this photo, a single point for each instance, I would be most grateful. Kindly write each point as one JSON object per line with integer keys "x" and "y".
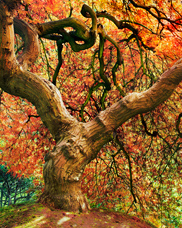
{"x": 12, "y": 215}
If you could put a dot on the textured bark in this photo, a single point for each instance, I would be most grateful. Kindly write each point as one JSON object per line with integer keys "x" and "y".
{"x": 63, "y": 170}
{"x": 77, "y": 143}
{"x": 14, "y": 79}
{"x": 100, "y": 129}
{"x": 31, "y": 43}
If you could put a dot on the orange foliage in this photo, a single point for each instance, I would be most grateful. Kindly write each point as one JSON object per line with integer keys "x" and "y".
{"x": 156, "y": 160}
{"x": 24, "y": 139}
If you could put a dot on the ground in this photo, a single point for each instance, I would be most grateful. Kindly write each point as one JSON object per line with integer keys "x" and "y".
{"x": 35, "y": 215}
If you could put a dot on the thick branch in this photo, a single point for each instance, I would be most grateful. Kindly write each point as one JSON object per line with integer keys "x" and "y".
{"x": 47, "y": 99}
{"x": 80, "y": 33}
{"x": 101, "y": 128}
{"x": 16, "y": 81}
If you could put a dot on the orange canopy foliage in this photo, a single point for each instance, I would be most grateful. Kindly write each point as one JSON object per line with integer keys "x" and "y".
{"x": 149, "y": 38}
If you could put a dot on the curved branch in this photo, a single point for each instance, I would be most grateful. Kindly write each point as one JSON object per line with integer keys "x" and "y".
{"x": 102, "y": 33}
{"x": 80, "y": 33}
{"x": 154, "y": 134}
{"x": 85, "y": 11}
{"x": 17, "y": 81}
{"x": 103, "y": 36}
{"x": 121, "y": 24}
{"x": 31, "y": 43}
{"x": 55, "y": 27}
{"x": 101, "y": 128}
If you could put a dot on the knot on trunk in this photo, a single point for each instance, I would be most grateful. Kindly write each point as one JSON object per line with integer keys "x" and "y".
{"x": 66, "y": 162}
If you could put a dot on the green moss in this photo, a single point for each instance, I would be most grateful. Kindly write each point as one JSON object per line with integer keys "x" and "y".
{"x": 11, "y": 215}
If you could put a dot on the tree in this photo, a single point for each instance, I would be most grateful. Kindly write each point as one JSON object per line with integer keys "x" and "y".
{"x": 77, "y": 143}
{"x": 13, "y": 189}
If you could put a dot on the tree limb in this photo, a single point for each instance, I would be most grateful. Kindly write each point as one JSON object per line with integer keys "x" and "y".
{"x": 47, "y": 99}
{"x": 101, "y": 128}
{"x": 81, "y": 31}
{"x": 15, "y": 80}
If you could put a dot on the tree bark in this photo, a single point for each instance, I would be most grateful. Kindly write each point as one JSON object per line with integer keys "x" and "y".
{"x": 62, "y": 173}
{"x": 77, "y": 143}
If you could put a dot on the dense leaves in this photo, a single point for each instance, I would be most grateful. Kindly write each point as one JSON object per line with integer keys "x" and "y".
{"x": 140, "y": 170}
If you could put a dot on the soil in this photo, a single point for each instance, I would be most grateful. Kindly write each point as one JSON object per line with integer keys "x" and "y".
{"x": 37, "y": 215}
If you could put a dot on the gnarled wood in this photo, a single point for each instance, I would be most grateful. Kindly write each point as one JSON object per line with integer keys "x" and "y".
{"x": 77, "y": 143}
{"x": 63, "y": 171}
{"x": 31, "y": 43}
{"x": 17, "y": 81}
{"x": 100, "y": 129}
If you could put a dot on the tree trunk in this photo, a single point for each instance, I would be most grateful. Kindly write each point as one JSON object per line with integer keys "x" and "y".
{"x": 77, "y": 143}
{"x": 62, "y": 193}
{"x": 63, "y": 171}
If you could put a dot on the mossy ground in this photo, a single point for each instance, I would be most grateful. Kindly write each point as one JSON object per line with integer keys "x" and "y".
{"x": 34, "y": 215}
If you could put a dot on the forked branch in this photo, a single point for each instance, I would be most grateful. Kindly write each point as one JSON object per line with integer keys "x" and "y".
{"x": 46, "y": 97}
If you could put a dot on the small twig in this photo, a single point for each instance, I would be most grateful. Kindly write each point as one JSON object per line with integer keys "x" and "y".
{"x": 154, "y": 134}
{"x": 177, "y": 125}
{"x": 29, "y": 116}
{"x": 130, "y": 167}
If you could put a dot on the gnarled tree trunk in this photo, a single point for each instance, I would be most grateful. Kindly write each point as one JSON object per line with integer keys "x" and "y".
{"x": 63, "y": 171}
{"x": 77, "y": 143}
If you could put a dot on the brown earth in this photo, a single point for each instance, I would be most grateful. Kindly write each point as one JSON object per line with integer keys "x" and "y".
{"x": 37, "y": 215}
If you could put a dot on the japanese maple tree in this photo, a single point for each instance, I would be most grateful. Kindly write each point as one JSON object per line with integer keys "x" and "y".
{"x": 79, "y": 140}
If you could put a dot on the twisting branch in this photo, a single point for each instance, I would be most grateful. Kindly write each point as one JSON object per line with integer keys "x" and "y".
{"x": 80, "y": 33}
{"x": 101, "y": 59}
{"x": 86, "y": 10}
{"x": 122, "y": 24}
{"x": 102, "y": 32}
{"x": 60, "y": 61}
{"x": 103, "y": 36}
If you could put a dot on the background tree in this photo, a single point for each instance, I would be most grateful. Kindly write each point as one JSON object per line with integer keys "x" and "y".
{"x": 139, "y": 71}
{"x": 12, "y": 189}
